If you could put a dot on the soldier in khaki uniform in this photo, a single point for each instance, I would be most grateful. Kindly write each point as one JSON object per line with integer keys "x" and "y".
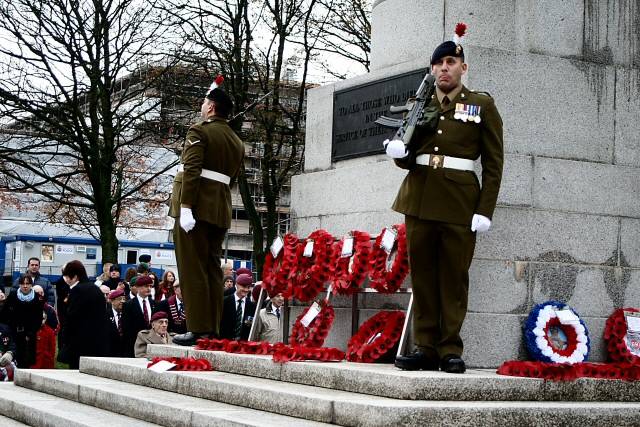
{"x": 201, "y": 203}
{"x": 445, "y": 206}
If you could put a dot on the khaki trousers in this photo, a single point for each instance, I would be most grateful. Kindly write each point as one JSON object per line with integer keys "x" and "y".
{"x": 440, "y": 255}
{"x": 198, "y": 256}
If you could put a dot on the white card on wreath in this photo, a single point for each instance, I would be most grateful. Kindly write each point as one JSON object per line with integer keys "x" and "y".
{"x": 388, "y": 239}
{"x": 277, "y": 246}
{"x": 313, "y": 312}
{"x": 162, "y": 366}
{"x": 567, "y": 317}
{"x": 347, "y": 247}
{"x": 308, "y": 249}
{"x": 633, "y": 321}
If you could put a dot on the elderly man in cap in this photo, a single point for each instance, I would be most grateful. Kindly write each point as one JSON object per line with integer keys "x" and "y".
{"x": 201, "y": 205}
{"x": 444, "y": 207}
{"x": 137, "y": 312}
{"x": 117, "y": 299}
{"x": 238, "y": 311}
{"x": 158, "y": 334}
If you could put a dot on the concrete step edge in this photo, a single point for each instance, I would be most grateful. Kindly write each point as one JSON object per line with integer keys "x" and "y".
{"x": 347, "y": 408}
{"x": 39, "y": 409}
{"x": 158, "y": 406}
{"x": 387, "y": 381}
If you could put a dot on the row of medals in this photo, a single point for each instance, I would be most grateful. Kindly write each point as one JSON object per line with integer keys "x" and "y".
{"x": 466, "y": 112}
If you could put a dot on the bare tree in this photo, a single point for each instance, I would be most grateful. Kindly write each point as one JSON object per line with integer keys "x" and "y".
{"x": 81, "y": 100}
{"x": 346, "y": 33}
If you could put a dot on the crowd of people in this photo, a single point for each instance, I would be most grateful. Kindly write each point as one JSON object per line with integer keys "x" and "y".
{"x": 114, "y": 316}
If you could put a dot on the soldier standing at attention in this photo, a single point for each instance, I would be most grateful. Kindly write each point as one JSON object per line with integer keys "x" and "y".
{"x": 444, "y": 207}
{"x": 201, "y": 204}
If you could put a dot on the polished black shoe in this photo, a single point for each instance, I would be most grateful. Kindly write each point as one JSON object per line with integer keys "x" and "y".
{"x": 416, "y": 361}
{"x": 188, "y": 339}
{"x": 453, "y": 364}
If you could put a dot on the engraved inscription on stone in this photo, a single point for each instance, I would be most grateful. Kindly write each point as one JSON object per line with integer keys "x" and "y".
{"x": 356, "y": 109}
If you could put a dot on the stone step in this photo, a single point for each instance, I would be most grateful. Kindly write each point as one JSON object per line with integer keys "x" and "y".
{"x": 35, "y": 408}
{"x": 356, "y": 409}
{"x": 157, "y": 406}
{"x": 9, "y": 422}
{"x": 385, "y": 380}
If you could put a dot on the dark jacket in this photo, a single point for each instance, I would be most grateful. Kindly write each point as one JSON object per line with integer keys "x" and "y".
{"x": 133, "y": 322}
{"x": 116, "y": 341}
{"x": 7, "y": 342}
{"x": 228, "y": 323}
{"x": 62, "y": 291}
{"x": 85, "y": 327}
{"x": 24, "y": 319}
{"x": 177, "y": 321}
{"x": 450, "y": 195}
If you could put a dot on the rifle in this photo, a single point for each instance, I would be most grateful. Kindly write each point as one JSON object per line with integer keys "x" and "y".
{"x": 249, "y": 108}
{"x": 417, "y": 116}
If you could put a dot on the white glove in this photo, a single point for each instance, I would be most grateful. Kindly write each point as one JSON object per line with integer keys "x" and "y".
{"x": 6, "y": 359}
{"x": 480, "y": 223}
{"x": 187, "y": 222}
{"x": 395, "y": 148}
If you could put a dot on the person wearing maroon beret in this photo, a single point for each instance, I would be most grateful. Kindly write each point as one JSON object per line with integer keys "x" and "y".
{"x": 116, "y": 300}
{"x": 136, "y": 313}
{"x": 238, "y": 311}
{"x": 158, "y": 334}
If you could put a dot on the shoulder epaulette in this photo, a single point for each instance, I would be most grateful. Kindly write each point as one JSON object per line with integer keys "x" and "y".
{"x": 480, "y": 92}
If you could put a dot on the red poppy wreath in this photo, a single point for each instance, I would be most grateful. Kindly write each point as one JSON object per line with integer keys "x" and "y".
{"x": 376, "y": 337}
{"x": 317, "y": 331}
{"x": 350, "y": 271}
{"x": 619, "y": 343}
{"x": 276, "y": 270}
{"x": 311, "y": 272}
{"x": 384, "y": 280}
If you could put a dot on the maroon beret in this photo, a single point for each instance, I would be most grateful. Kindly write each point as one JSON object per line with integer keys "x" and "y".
{"x": 159, "y": 315}
{"x": 115, "y": 294}
{"x": 244, "y": 279}
{"x": 255, "y": 293}
{"x": 243, "y": 270}
{"x": 144, "y": 281}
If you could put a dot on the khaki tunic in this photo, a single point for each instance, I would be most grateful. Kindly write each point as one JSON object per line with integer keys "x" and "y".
{"x": 450, "y": 195}
{"x": 149, "y": 337}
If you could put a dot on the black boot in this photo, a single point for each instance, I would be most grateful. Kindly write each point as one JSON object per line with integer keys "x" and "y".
{"x": 453, "y": 364}
{"x": 416, "y": 361}
{"x": 189, "y": 338}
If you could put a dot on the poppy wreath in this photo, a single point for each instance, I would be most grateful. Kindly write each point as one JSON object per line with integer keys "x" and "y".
{"x": 375, "y": 337}
{"x": 309, "y": 275}
{"x": 184, "y": 363}
{"x": 615, "y": 335}
{"x": 566, "y": 372}
{"x": 349, "y": 272}
{"x": 298, "y": 353}
{"x": 275, "y": 271}
{"x": 316, "y": 333}
{"x": 543, "y": 321}
{"x": 240, "y": 347}
{"x": 383, "y": 280}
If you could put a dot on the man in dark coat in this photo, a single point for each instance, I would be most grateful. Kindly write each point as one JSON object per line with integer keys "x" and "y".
{"x": 201, "y": 205}
{"x": 238, "y": 311}
{"x": 114, "y": 314}
{"x": 174, "y": 307}
{"x": 85, "y": 327}
{"x": 136, "y": 313}
{"x": 445, "y": 206}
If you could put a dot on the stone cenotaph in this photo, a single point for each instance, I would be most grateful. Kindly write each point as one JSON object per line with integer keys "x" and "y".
{"x": 565, "y": 76}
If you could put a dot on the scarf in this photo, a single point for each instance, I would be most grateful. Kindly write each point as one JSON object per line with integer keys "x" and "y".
{"x": 26, "y": 298}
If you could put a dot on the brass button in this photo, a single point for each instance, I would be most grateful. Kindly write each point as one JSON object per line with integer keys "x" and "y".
{"x": 462, "y": 95}
{"x": 441, "y": 117}
{"x": 439, "y": 131}
{"x": 436, "y": 149}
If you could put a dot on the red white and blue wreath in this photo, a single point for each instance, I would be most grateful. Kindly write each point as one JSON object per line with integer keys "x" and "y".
{"x": 550, "y": 339}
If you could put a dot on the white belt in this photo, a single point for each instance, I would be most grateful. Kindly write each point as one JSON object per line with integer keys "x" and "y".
{"x": 440, "y": 161}
{"x": 213, "y": 175}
